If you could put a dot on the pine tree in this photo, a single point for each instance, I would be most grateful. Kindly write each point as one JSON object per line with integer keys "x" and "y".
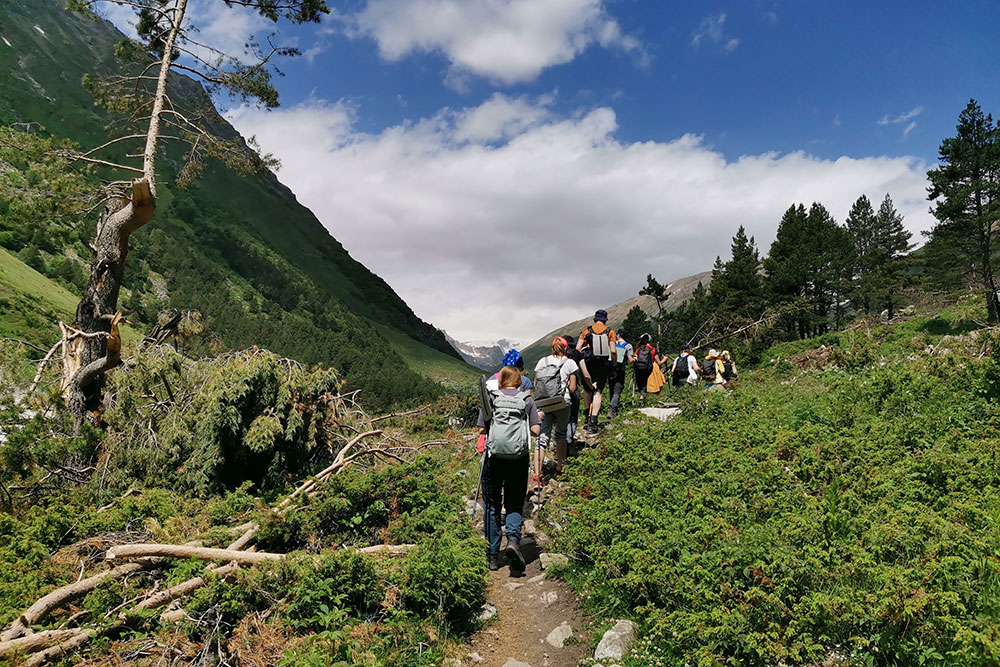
{"x": 786, "y": 279}
{"x": 660, "y": 295}
{"x": 809, "y": 268}
{"x": 892, "y": 243}
{"x": 966, "y": 189}
{"x": 744, "y": 290}
{"x": 637, "y": 323}
{"x": 861, "y": 226}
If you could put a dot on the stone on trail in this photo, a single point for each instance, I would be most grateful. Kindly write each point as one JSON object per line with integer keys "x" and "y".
{"x": 616, "y": 642}
{"x": 547, "y": 560}
{"x": 663, "y": 414}
{"x": 475, "y": 657}
{"x": 513, "y": 586}
{"x": 511, "y": 662}
{"x": 451, "y": 662}
{"x": 487, "y": 612}
{"x": 549, "y": 598}
{"x": 559, "y": 635}
{"x": 537, "y": 578}
{"x": 529, "y": 527}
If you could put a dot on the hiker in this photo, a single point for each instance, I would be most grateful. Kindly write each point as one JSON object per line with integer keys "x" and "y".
{"x": 729, "y": 370}
{"x": 512, "y": 358}
{"x": 684, "y": 371}
{"x": 711, "y": 372}
{"x": 505, "y": 469}
{"x": 645, "y": 357}
{"x": 555, "y": 381}
{"x": 574, "y": 396}
{"x": 624, "y": 355}
{"x": 597, "y": 342}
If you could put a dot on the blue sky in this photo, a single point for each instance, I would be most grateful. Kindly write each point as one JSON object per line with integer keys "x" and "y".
{"x": 750, "y": 76}
{"x": 550, "y": 153}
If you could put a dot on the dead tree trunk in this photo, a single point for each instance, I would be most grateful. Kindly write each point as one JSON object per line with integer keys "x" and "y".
{"x": 87, "y": 358}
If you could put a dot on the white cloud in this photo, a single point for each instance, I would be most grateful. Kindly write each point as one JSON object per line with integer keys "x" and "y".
{"x": 507, "y": 220}
{"x": 506, "y": 41}
{"x": 711, "y": 30}
{"x": 903, "y": 118}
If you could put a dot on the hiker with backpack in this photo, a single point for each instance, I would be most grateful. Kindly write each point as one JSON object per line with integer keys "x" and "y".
{"x": 684, "y": 371}
{"x": 512, "y": 358}
{"x": 505, "y": 468}
{"x": 574, "y": 395}
{"x": 645, "y": 358}
{"x": 729, "y": 371}
{"x": 711, "y": 372}
{"x": 597, "y": 342}
{"x": 555, "y": 381}
{"x": 624, "y": 355}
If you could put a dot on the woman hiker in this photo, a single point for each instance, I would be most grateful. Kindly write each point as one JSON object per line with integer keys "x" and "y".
{"x": 555, "y": 377}
{"x": 505, "y": 468}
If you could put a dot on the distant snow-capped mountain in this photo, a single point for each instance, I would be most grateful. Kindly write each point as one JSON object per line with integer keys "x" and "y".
{"x": 486, "y": 356}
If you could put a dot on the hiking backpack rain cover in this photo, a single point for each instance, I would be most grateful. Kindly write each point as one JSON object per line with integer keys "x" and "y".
{"x": 548, "y": 388}
{"x": 600, "y": 343}
{"x": 508, "y": 437}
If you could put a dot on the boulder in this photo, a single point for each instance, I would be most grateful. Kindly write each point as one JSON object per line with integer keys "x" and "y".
{"x": 616, "y": 642}
{"x": 663, "y": 414}
{"x": 559, "y": 635}
{"x": 547, "y": 560}
{"x": 487, "y": 613}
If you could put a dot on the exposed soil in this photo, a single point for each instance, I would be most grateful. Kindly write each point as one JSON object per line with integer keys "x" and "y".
{"x": 529, "y": 608}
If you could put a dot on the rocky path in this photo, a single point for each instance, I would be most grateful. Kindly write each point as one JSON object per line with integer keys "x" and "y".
{"x": 535, "y": 620}
{"x": 538, "y": 621}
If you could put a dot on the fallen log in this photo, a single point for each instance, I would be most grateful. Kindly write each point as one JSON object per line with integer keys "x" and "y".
{"x": 391, "y": 549}
{"x": 61, "y": 596}
{"x": 60, "y": 649}
{"x": 179, "y": 551}
{"x": 34, "y": 642}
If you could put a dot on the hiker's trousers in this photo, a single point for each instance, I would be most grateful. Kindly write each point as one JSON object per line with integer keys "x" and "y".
{"x": 554, "y": 426}
{"x": 505, "y": 484}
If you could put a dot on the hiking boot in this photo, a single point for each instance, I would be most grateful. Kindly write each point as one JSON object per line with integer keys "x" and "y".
{"x": 591, "y": 426}
{"x": 493, "y": 562}
{"x": 514, "y": 555}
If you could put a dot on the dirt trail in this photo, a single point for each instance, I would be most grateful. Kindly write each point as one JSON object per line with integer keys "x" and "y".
{"x": 532, "y": 611}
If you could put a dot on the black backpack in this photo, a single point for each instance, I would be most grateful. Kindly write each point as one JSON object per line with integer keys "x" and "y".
{"x": 708, "y": 370}
{"x": 681, "y": 370}
{"x": 727, "y": 373}
{"x": 644, "y": 358}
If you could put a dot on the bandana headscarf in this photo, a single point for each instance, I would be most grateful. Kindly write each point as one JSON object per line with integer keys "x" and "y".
{"x": 511, "y": 358}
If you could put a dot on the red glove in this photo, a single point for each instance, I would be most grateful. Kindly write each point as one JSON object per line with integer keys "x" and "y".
{"x": 481, "y": 443}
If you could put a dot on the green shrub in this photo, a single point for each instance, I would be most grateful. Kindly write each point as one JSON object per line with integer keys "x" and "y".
{"x": 851, "y": 511}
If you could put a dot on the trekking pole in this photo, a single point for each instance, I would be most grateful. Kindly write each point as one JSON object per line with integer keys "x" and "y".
{"x": 479, "y": 485}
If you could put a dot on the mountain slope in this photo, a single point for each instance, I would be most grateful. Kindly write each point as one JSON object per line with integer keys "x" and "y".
{"x": 240, "y": 248}
{"x": 680, "y": 290}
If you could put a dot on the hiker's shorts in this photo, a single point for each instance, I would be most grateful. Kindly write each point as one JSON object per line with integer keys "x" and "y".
{"x": 600, "y": 370}
{"x": 556, "y": 421}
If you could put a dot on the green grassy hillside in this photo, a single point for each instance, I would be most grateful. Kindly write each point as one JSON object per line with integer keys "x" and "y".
{"x": 239, "y": 248}
{"x": 841, "y": 507}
